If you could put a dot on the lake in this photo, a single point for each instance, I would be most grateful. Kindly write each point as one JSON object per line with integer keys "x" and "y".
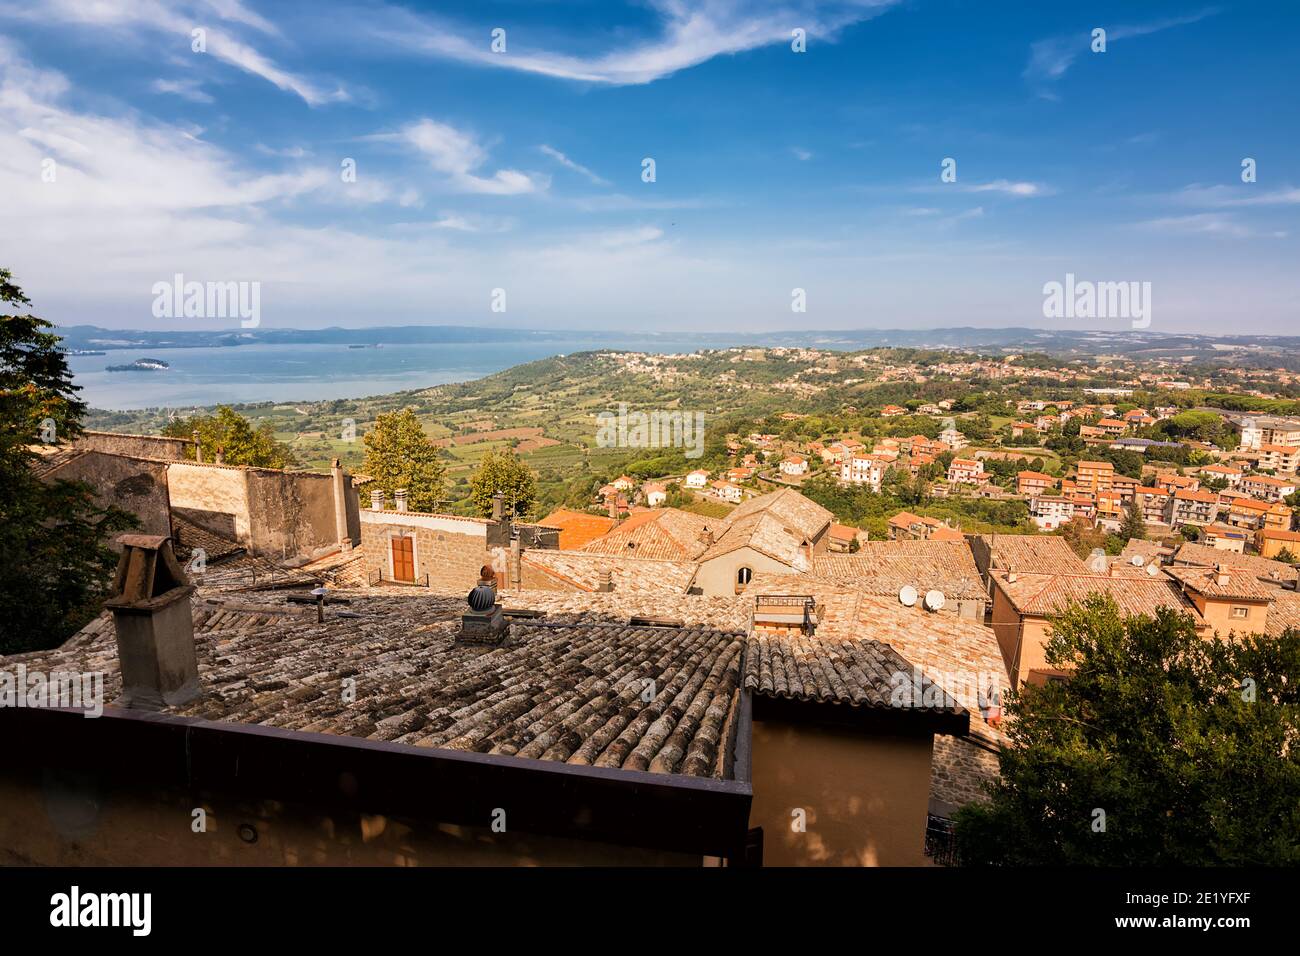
{"x": 287, "y": 373}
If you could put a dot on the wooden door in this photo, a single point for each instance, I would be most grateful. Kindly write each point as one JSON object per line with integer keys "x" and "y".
{"x": 404, "y": 559}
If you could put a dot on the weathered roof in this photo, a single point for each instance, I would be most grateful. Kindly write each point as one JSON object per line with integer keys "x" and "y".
{"x": 1202, "y": 556}
{"x": 1033, "y": 553}
{"x": 666, "y": 533}
{"x": 1241, "y": 585}
{"x": 1042, "y": 595}
{"x": 766, "y": 534}
{"x": 577, "y": 527}
{"x": 884, "y": 567}
{"x": 585, "y": 571}
{"x": 570, "y": 691}
{"x": 801, "y": 515}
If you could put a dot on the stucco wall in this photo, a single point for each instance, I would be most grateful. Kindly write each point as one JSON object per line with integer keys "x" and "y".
{"x": 717, "y": 577}
{"x": 213, "y": 497}
{"x": 132, "y": 484}
{"x": 864, "y": 796}
{"x": 50, "y": 818}
{"x": 290, "y": 512}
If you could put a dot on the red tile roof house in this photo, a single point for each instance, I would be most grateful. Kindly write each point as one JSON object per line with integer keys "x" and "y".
{"x": 533, "y": 727}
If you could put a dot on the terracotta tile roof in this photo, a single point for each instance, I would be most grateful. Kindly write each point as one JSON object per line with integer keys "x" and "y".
{"x": 1200, "y": 555}
{"x": 1241, "y": 585}
{"x": 584, "y": 571}
{"x": 1032, "y": 553}
{"x": 563, "y": 691}
{"x": 1043, "y": 595}
{"x": 577, "y": 527}
{"x": 884, "y": 567}
{"x": 664, "y": 533}
{"x": 1284, "y": 613}
{"x": 802, "y": 515}
{"x": 190, "y": 536}
{"x": 843, "y": 532}
{"x": 766, "y": 534}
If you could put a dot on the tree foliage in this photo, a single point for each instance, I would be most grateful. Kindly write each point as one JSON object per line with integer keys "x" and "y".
{"x": 1162, "y": 748}
{"x": 503, "y": 472}
{"x": 230, "y": 433}
{"x": 55, "y": 563}
{"x": 400, "y": 455}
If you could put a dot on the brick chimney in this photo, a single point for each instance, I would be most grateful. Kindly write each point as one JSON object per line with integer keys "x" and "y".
{"x": 338, "y": 481}
{"x": 399, "y": 499}
{"x": 376, "y": 500}
{"x": 154, "y": 626}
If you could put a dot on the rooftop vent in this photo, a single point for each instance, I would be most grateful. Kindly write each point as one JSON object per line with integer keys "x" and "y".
{"x": 485, "y": 623}
{"x": 154, "y": 626}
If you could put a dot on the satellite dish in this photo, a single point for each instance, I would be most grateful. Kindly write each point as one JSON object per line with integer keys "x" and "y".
{"x": 934, "y": 600}
{"x": 1136, "y": 560}
{"x": 1152, "y": 570}
{"x": 907, "y": 596}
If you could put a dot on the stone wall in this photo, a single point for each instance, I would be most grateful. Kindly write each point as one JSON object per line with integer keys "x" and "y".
{"x": 959, "y": 773}
{"x": 449, "y": 549}
{"x": 136, "y": 446}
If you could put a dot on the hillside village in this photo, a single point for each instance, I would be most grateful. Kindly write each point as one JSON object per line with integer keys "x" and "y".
{"x": 749, "y": 621}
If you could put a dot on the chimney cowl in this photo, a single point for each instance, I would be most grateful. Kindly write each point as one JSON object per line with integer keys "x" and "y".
{"x": 399, "y": 499}
{"x": 154, "y": 625}
{"x": 377, "y": 500}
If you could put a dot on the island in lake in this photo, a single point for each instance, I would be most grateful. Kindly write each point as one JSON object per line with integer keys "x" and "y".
{"x": 140, "y": 365}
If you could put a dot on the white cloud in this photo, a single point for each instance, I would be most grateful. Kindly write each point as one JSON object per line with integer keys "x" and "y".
{"x": 1243, "y": 195}
{"x": 457, "y": 154}
{"x": 1051, "y": 58}
{"x": 186, "y": 89}
{"x": 1009, "y": 188}
{"x": 801, "y": 154}
{"x": 1207, "y": 224}
{"x": 178, "y": 18}
{"x": 567, "y": 163}
{"x": 690, "y": 34}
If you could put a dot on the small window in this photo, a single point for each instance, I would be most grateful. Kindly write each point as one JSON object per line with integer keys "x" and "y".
{"x": 1241, "y": 612}
{"x": 744, "y": 576}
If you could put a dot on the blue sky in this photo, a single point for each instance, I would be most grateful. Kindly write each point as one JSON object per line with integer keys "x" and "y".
{"x": 775, "y": 170}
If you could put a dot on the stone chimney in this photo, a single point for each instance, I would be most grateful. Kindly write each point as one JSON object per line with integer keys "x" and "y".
{"x": 399, "y": 499}
{"x": 154, "y": 626}
{"x": 706, "y": 537}
{"x": 377, "y": 500}
{"x": 1221, "y": 576}
{"x": 1012, "y": 577}
{"x": 606, "y": 581}
{"x": 198, "y": 449}
{"x": 221, "y": 456}
{"x": 498, "y": 506}
{"x": 339, "y": 482}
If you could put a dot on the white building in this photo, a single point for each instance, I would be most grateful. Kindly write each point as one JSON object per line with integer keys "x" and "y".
{"x": 697, "y": 479}
{"x": 794, "y": 465}
{"x": 864, "y": 470}
{"x": 1051, "y": 511}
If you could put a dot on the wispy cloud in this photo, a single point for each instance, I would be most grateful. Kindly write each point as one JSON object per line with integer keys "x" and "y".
{"x": 801, "y": 154}
{"x": 690, "y": 34}
{"x": 1243, "y": 195}
{"x": 1051, "y": 58}
{"x": 567, "y": 163}
{"x": 458, "y": 156}
{"x": 186, "y": 89}
{"x": 1009, "y": 188}
{"x": 220, "y": 19}
{"x": 1207, "y": 224}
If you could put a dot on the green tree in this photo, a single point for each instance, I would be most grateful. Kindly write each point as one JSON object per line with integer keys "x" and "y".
{"x": 400, "y": 455}
{"x": 1134, "y": 525}
{"x": 1287, "y": 555}
{"x": 1187, "y": 746}
{"x": 230, "y": 433}
{"x": 502, "y": 471}
{"x": 55, "y": 564}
